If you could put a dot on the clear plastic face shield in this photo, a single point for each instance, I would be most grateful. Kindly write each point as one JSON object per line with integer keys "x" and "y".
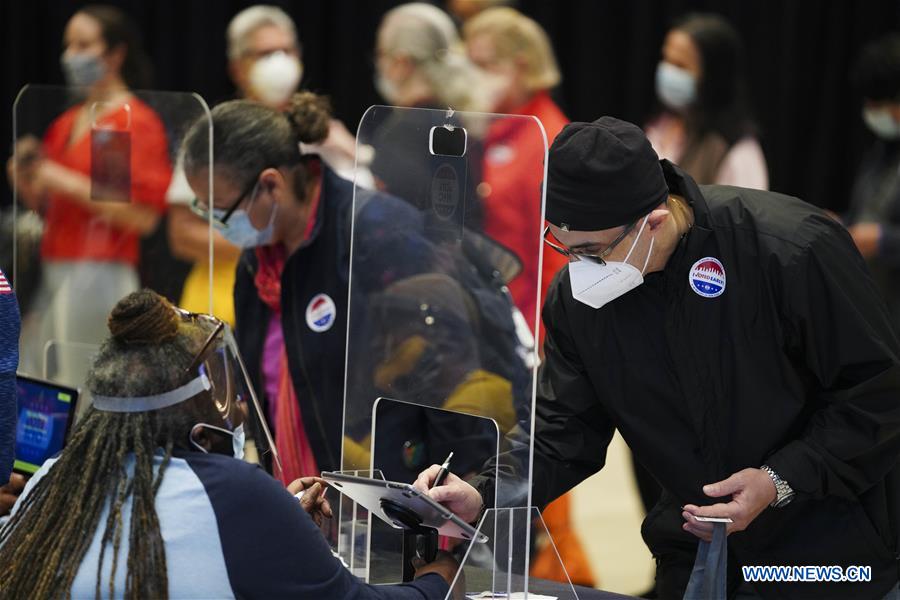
{"x": 237, "y": 425}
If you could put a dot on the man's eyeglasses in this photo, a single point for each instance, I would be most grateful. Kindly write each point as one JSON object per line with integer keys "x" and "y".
{"x": 591, "y": 257}
{"x": 219, "y": 216}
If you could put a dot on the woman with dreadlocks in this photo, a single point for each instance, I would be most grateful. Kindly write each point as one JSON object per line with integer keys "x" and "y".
{"x": 147, "y": 499}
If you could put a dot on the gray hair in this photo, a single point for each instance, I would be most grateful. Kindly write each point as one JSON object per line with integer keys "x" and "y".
{"x": 249, "y": 20}
{"x": 428, "y": 36}
{"x": 249, "y": 137}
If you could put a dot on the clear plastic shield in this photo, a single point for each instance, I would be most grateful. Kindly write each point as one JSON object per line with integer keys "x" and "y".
{"x": 499, "y": 569}
{"x": 90, "y": 177}
{"x": 437, "y": 361}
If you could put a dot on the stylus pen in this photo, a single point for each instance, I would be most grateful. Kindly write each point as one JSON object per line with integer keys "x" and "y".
{"x": 442, "y": 474}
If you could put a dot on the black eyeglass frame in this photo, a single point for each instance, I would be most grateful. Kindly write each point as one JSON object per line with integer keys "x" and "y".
{"x": 596, "y": 258}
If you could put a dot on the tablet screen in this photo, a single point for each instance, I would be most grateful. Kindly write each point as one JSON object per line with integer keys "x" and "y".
{"x": 45, "y": 411}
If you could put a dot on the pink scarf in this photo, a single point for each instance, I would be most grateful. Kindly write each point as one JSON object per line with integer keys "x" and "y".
{"x": 291, "y": 441}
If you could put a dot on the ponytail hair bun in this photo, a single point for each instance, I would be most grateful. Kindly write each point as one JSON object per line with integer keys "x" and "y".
{"x": 310, "y": 116}
{"x": 143, "y": 318}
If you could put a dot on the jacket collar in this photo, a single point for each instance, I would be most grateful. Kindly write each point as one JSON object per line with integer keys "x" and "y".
{"x": 692, "y": 244}
{"x": 331, "y": 184}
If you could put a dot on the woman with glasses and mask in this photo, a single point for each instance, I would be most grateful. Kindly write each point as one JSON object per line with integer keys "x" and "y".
{"x": 147, "y": 500}
{"x": 290, "y": 215}
{"x": 265, "y": 63}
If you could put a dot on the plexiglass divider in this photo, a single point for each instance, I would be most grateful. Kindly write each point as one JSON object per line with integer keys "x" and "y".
{"x": 435, "y": 361}
{"x": 499, "y": 569}
{"x": 74, "y": 158}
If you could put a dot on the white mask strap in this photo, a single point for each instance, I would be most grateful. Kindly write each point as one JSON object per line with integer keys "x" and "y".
{"x": 634, "y": 243}
{"x": 647, "y": 261}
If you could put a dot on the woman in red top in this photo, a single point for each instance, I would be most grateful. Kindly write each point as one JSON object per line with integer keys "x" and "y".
{"x": 89, "y": 248}
{"x": 516, "y": 50}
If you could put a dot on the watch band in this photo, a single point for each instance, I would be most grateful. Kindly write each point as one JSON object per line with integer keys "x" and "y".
{"x": 783, "y": 492}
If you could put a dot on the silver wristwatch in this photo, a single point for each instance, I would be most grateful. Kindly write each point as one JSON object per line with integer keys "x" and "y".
{"x": 783, "y": 492}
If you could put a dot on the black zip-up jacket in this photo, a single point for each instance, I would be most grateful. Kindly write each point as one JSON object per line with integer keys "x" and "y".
{"x": 392, "y": 245}
{"x": 315, "y": 359}
{"x": 794, "y": 365}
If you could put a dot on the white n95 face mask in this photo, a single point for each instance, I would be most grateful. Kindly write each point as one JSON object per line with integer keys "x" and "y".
{"x": 275, "y": 77}
{"x": 595, "y": 285}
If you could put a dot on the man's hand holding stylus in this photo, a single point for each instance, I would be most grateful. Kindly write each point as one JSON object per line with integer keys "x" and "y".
{"x": 454, "y": 493}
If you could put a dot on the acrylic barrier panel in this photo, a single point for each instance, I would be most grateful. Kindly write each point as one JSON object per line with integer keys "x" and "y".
{"x": 351, "y": 527}
{"x": 90, "y": 182}
{"x": 432, "y": 323}
{"x": 500, "y": 568}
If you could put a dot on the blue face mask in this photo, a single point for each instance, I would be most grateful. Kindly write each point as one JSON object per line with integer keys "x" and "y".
{"x": 241, "y": 232}
{"x": 82, "y": 70}
{"x": 675, "y": 87}
{"x": 238, "y": 439}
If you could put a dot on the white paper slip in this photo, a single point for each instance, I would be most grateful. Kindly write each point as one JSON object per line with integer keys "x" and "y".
{"x": 505, "y": 596}
{"x": 714, "y": 519}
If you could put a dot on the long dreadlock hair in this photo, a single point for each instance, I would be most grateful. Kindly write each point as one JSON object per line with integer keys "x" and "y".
{"x": 42, "y": 546}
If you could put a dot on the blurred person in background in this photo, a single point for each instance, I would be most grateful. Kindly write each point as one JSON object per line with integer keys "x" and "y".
{"x": 705, "y": 125}
{"x": 463, "y": 10}
{"x": 90, "y": 245}
{"x": 265, "y": 64}
{"x": 421, "y": 63}
{"x": 873, "y": 218}
{"x": 516, "y": 50}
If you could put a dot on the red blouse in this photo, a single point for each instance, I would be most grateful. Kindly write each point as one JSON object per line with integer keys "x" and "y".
{"x": 74, "y": 233}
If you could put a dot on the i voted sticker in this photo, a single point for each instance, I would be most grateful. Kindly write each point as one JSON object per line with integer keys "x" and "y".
{"x": 321, "y": 313}
{"x": 707, "y": 277}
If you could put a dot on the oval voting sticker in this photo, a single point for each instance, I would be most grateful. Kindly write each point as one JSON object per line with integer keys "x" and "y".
{"x": 321, "y": 313}
{"x": 707, "y": 277}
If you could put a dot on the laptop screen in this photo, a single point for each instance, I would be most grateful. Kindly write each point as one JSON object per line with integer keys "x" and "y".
{"x": 45, "y": 415}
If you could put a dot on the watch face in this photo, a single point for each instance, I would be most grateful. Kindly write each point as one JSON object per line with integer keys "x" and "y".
{"x": 784, "y": 497}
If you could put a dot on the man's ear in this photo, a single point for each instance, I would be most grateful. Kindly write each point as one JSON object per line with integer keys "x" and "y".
{"x": 658, "y": 217}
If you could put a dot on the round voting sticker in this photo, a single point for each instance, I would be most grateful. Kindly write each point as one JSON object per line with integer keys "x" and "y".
{"x": 707, "y": 277}
{"x": 321, "y": 313}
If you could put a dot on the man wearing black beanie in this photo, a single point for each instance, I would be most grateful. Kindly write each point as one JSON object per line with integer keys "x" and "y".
{"x": 736, "y": 340}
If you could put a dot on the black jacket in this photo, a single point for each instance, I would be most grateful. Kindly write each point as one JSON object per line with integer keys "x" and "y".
{"x": 794, "y": 365}
{"x": 391, "y": 244}
{"x": 315, "y": 359}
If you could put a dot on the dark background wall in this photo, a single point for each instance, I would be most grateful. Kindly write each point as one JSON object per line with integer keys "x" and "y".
{"x": 799, "y": 53}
